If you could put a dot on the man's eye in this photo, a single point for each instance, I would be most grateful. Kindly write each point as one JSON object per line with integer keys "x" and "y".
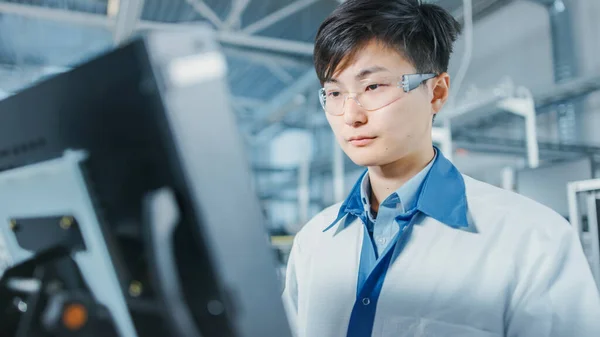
{"x": 333, "y": 94}
{"x": 373, "y": 87}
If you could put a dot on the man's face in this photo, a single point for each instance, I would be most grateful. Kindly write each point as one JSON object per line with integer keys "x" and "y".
{"x": 388, "y": 134}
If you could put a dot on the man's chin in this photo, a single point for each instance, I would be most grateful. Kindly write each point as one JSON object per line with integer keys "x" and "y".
{"x": 366, "y": 162}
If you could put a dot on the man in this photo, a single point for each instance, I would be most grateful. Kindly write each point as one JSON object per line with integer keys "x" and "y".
{"x": 417, "y": 249}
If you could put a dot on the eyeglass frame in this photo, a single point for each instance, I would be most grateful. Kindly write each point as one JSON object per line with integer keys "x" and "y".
{"x": 408, "y": 83}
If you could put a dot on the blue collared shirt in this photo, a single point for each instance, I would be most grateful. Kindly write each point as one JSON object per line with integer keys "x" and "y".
{"x": 383, "y": 227}
{"x": 440, "y": 195}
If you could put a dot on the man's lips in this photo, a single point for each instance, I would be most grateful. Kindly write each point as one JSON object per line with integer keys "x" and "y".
{"x": 361, "y": 140}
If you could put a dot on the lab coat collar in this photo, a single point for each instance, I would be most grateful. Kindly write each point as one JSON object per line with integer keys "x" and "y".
{"x": 442, "y": 197}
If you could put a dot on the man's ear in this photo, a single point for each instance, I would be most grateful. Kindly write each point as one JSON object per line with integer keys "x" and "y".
{"x": 441, "y": 91}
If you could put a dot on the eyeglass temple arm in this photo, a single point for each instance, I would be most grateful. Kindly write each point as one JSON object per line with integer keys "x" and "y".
{"x": 412, "y": 81}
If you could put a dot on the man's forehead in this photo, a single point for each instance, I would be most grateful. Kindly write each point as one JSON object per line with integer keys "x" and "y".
{"x": 374, "y": 57}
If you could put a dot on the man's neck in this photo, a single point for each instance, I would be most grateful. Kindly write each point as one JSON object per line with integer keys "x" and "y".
{"x": 386, "y": 179}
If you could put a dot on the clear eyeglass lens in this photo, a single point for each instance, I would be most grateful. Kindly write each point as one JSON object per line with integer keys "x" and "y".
{"x": 374, "y": 98}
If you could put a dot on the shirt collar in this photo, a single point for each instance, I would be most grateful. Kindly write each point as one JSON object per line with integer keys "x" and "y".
{"x": 442, "y": 194}
{"x": 406, "y": 195}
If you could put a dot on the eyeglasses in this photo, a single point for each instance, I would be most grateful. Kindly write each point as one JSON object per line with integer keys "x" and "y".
{"x": 377, "y": 93}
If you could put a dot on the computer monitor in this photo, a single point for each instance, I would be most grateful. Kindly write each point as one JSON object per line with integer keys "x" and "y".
{"x": 126, "y": 201}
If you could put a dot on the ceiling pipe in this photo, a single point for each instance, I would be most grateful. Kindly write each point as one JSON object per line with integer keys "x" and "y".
{"x": 565, "y": 65}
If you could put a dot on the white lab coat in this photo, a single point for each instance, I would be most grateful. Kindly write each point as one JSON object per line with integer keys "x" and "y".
{"x": 517, "y": 271}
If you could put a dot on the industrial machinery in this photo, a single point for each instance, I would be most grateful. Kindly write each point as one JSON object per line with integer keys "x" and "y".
{"x": 126, "y": 204}
{"x": 584, "y": 209}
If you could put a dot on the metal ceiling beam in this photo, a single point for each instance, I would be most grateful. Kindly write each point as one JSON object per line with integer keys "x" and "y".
{"x": 265, "y": 58}
{"x": 276, "y": 109}
{"x": 96, "y": 20}
{"x": 277, "y": 16}
{"x": 203, "y": 9}
{"x": 266, "y": 43}
{"x": 60, "y": 15}
{"x": 235, "y": 39}
{"x": 481, "y": 143}
{"x": 567, "y": 91}
{"x": 481, "y": 8}
{"x": 128, "y": 15}
{"x": 234, "y": 18}
{"x": 278, "y": 71}
{"x": 246, "y": 102}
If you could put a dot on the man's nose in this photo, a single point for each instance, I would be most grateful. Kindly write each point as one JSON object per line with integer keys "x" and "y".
{"x": 354, "y": 114}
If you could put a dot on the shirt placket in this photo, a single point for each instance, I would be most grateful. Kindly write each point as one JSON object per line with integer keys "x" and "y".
{"x": 385, "y": 228}
{"x": 370, "y": 284}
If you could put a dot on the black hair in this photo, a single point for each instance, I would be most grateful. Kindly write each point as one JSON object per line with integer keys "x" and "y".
{"x": 423, "y": 33}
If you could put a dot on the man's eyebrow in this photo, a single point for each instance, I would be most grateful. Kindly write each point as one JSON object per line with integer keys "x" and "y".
{"x": 368, "y": 71}
{"x": 363, "y": 73}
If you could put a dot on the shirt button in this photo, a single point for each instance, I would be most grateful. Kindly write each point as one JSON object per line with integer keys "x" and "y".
{"x": 366, "y": 301}
{"x": 381, "y": 241}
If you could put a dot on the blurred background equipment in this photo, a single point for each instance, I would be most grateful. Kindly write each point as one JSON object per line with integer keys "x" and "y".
{"x": 584, "y": 205}
{"x": 119, "y": 215}
{"x": 524, "y": 94}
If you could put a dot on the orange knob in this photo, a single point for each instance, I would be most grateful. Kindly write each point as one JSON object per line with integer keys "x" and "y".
{"x": 74, "y": 316}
